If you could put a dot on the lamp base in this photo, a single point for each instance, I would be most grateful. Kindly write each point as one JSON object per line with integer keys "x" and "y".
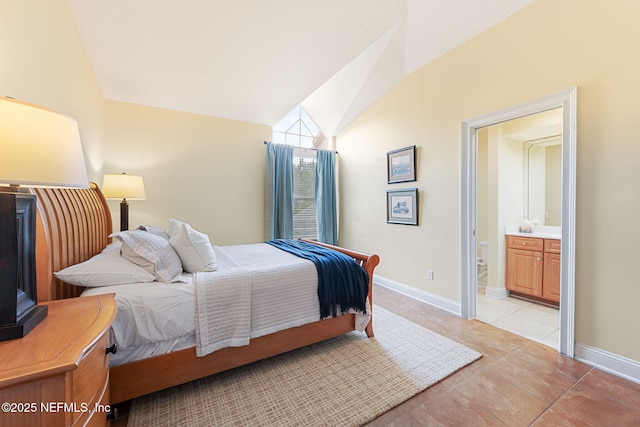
{"x": 124, "y": 215}
{"x": 25, "y": 324}
{"x": 19, "y": 313}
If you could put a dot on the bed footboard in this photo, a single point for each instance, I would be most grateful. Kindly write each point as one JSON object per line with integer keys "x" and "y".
{"x": 366, "y": 261}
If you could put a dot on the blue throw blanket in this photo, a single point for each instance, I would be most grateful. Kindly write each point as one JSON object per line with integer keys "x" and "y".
{"x": 343, "y": 284}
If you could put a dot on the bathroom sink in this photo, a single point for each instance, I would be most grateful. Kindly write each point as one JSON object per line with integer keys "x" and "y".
{"x": 539, "y": 231}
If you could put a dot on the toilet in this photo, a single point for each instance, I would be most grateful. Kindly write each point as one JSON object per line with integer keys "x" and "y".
{"x": 482, "y": 260}
{"x": 484, "y": 248}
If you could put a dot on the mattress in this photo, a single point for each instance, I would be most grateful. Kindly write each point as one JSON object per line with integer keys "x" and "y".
{"x": 155, "y": 318}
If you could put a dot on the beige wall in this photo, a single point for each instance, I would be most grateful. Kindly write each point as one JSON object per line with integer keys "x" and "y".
{"x": 44, "y": 62}
{"x": 547, "y": 47}
{"x": 206, "y": 171}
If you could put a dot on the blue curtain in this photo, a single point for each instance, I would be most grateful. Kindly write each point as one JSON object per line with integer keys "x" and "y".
{"x": 326, "y": 208}
{"x": 279, "y": 192}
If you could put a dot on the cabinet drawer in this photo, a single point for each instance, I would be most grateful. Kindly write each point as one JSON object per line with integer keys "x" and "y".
{"x": 552, "y": 245}
{"x": 99, "y": 417}
{"x": 90, "y": 378}
{"x": 527, "y": 243}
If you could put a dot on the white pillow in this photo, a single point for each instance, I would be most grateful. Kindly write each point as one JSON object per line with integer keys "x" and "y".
{"x": 151, "y": 252}
{"x": 107, "y": 268}
{"x": 158, "y": 231}
{"x": 193, "y": 247}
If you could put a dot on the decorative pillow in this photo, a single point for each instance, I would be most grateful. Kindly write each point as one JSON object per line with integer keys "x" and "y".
{"x": 107, "y": 268}
{"x": 151, "y": 252}
{"x": 193, "y": 247}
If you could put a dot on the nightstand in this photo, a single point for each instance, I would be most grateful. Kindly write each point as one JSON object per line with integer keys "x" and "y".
{"x": 58, "y": 375}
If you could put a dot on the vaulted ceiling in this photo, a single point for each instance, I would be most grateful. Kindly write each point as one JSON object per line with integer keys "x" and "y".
{"x": 254, "y": 60}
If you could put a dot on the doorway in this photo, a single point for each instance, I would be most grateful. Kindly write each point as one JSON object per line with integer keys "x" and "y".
{"x": 519, "y": 182}
{"x": 567, "y": 101}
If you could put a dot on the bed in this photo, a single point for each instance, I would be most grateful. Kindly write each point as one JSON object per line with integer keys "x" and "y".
{"x": 74, "y": 224}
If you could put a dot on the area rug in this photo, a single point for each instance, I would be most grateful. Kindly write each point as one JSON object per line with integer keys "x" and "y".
{"x": 344, "y": 381}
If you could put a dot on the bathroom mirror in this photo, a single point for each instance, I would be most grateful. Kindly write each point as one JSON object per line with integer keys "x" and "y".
{"x": 542, "y": 179}
{"x": 539, "y": 141}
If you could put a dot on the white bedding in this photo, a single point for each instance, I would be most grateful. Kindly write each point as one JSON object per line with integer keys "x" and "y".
{"x": 155, "y": 318}
{"x": 223, "y": 306}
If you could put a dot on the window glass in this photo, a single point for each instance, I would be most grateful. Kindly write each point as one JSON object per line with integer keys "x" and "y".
{"x": 304, "y": 190}
{"x": 298, "y": 129}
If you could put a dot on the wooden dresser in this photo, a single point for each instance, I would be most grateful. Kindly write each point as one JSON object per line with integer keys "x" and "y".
{"x": 58, "y": 375}
{"x": 533, "y": 268}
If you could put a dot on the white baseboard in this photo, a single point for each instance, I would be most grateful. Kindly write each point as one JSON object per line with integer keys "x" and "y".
{"x": 495, "y": 292}
{"x": 617, "y": 365}
{"x": 423, "y": 296}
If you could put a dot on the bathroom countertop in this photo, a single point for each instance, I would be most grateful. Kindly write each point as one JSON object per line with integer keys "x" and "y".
{"x": 539, "y": 231}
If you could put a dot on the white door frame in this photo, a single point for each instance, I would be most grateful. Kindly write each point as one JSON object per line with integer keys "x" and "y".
{"x": 566, "y": 99}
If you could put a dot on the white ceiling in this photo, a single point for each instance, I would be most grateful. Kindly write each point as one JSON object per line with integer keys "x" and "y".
{"x": 254, "y": 60}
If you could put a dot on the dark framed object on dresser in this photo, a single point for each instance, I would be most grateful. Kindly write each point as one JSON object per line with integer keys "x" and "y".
{"x": 19, "y": 312}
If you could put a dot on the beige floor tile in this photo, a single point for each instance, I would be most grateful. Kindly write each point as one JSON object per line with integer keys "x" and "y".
{"x": 530, "y": 320}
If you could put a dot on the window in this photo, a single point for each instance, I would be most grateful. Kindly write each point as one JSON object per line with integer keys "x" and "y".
{"x": 304, "y": 201}
{"x": 298, "y": 129}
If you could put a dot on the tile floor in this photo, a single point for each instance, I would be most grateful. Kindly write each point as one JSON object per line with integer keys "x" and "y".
{"x": 517, "y": 382}
{"x": 530, "y": 320}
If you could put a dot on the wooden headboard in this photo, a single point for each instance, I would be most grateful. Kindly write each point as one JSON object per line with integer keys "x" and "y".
{"x": 72, "y": 226}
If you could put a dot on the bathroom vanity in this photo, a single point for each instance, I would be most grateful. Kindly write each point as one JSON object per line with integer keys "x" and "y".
{"x": 533, "y": 267}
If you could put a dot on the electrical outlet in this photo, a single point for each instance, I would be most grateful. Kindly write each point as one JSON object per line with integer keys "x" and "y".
{"x": 429, "y": 274}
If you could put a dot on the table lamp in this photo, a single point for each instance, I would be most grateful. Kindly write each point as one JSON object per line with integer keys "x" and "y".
{"x": 38, "y": 147}
{"x": 125, "y": 187}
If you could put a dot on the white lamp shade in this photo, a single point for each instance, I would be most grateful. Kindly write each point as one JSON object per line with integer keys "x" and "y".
{"x": 123, "y": 186}
{"x": 39, "y": 147}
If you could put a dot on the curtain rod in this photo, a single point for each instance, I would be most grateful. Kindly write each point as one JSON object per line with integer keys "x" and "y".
{"x": 303, "y": 148}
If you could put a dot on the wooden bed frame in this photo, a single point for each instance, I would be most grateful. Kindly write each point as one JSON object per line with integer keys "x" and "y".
{"x": 74, "y": 224}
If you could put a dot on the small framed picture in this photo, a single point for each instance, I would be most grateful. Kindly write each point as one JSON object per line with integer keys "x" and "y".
{"x": 402, "y": 206}
{"x": 401, "y": 165}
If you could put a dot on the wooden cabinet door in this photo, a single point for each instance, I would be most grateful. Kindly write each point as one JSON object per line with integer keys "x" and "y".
{"x": 524, "y": 272}
{"x": 551, "y": 277}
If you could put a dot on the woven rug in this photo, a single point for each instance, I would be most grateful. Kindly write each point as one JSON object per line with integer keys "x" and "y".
{"x": 344, "y": 381}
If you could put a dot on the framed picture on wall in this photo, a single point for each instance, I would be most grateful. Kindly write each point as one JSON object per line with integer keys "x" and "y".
{"x": 401, "y": 165}
{"x": 402, "y": 206}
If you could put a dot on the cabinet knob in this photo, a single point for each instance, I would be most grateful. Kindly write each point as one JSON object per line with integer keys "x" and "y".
{"x": 112, "y": 414}
{"x": 113, "y": 348}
